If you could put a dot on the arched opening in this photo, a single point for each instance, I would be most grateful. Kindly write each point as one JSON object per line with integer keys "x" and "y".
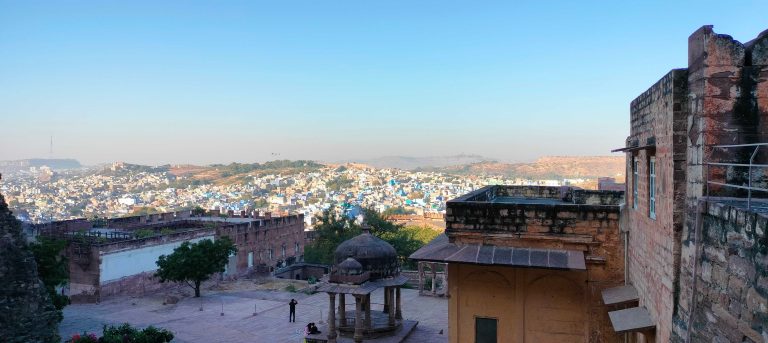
{"x": 555, "y": 311}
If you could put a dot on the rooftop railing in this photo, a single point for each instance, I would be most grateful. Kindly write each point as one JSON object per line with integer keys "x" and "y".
{"x": 751, "y": 165}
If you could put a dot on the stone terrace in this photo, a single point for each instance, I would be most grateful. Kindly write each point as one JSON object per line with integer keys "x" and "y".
{"x": 238, "y": 324}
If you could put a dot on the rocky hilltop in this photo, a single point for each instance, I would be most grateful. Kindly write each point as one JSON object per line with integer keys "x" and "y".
{"x": 26, "y": 311}
{"x": 550, "y": 167}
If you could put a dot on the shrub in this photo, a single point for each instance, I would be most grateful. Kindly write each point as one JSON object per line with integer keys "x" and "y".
{"x": 84, "y": 338}
{"x": 127, "y": 333}
{"x": 290, "y": 288}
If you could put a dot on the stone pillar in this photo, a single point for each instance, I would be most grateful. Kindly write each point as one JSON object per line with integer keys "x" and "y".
{"x": 445, "y": 279}
{"x": 421, "y": 277}
{"x": 332, "y": 318}
{"x": 342, "y": 310}
{"x": 368, "y": 312}
{"x": 398, "y": 305}
{"x": 434, "y": 278}
{"x": 386, "y": 300}
{"x": 358, "y": 320}
{"x": 391, "y": 292}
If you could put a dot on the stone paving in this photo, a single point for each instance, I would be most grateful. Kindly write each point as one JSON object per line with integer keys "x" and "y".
{"x": 238, "y": 324}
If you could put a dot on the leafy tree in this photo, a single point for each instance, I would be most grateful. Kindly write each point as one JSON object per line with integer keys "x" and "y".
{"x": 193, "y": 263}
{"x": 331, "y": 230}
{"x": 52, "y": 267}
{"x": 334, "y": 229}
{"x": 405, "y": 240}
{"x": 198, "y": 211}
{"x": 396, "y": 210}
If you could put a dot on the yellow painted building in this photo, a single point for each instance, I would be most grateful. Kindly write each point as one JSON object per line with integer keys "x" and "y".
{"x": 528, "y": 264}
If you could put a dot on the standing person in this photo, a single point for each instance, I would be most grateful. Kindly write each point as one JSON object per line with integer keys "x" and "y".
{"x": 292, "y": 314}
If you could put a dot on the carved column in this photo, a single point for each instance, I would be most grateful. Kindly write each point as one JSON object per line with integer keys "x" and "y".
{"x": 368, "y": 312}
{"x": 386, "y": 300}
{"x": 391, "y": 292}
{"x": 445, "y": 277}
{"x": 398, "y": 310}
{"x": 358, "y": 320}
{"x": 421, "y": 278}
{"x": 342, "y": 310}
{"x": 332, "y": 318}
{"x": 434, "y": 278}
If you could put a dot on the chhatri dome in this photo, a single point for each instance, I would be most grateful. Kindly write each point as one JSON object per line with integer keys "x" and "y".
{"x": 373, "y": 253}
{"x": 364, "y": 264}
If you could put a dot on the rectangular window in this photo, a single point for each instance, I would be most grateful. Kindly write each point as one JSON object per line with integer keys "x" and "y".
{"x": 634, "y": 182}
{"x": 652, "y": 187}
{"x": 485, "y": 330}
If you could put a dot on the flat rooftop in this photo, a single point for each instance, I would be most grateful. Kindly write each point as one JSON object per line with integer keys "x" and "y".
{"x": 540, "y": 195}
{"x": 530, "y": 201}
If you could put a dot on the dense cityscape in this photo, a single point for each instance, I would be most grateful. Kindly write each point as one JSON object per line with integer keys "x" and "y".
{"x": 40, "y": 194}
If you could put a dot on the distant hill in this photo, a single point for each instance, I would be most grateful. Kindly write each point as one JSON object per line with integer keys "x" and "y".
{"x": 550, "y": 167}
{"x": 237, "y": 172}
{"x": 121, "y": 168}
{"x": 411, "y": 162}
{"x": 53, "y": 163}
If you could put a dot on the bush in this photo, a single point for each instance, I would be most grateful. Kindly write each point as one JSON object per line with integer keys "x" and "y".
{"x": 290, "y": 288}
{"x": 84, "y": 338}
{"x": 127, "y": 333}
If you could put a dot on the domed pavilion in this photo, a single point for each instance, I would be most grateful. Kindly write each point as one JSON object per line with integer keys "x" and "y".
{"x": 364, "y": 264}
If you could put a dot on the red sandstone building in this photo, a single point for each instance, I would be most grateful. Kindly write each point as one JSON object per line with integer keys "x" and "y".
{"x": 697, "y": 252}
{"x": 118, "y": 256}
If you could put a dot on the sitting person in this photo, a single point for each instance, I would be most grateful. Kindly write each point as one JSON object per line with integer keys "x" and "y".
{"x": 312, "y": 329}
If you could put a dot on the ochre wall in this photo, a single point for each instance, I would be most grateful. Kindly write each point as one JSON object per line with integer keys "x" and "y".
{"x": 531, "y": 305}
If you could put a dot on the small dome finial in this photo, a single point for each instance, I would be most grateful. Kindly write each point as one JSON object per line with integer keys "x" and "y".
{"x": 363, "y": 223}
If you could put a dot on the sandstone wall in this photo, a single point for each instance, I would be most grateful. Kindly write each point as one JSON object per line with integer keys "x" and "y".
{"x": 274, "y": 233}
{"x": 731, "y": 303}
{"x": 728, "y": 100}
{"x": 657, "y": 119}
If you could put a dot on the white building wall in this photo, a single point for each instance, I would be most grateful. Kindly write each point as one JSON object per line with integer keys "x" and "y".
{"x": 131, "y": 262}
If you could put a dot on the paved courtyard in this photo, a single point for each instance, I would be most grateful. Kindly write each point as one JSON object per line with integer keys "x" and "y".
{"x": 238, "y": 324}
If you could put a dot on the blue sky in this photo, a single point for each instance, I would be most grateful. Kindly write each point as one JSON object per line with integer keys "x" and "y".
{"x": 211, "y": 82}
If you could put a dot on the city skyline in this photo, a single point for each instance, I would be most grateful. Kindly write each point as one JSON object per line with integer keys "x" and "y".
{"x": 250, "y": 82}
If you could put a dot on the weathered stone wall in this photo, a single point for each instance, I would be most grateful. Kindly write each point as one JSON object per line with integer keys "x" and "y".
{"x": 731, "y": 303}
{"x": 728, "y": 100}
{"x": 26, "y": 311}
{"x": 657, "y": 121}
{"x": 273, "y": 233}
{"x": 85, "y": 261}
{"x": 136, "y": 285}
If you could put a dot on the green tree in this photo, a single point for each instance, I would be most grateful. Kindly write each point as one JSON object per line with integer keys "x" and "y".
{"x": 405, "y": 240}
{"x": 331, "y": 230}
{"x": 52, "y": 267}
{"x": 198, "y": 211}
{"x": 396, "y": 210}
{"x": 334, "y": 229}
{"x": 193, "y": 263}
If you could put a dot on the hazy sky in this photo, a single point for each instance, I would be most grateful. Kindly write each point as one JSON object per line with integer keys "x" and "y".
{"x": 192, "y": 82}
